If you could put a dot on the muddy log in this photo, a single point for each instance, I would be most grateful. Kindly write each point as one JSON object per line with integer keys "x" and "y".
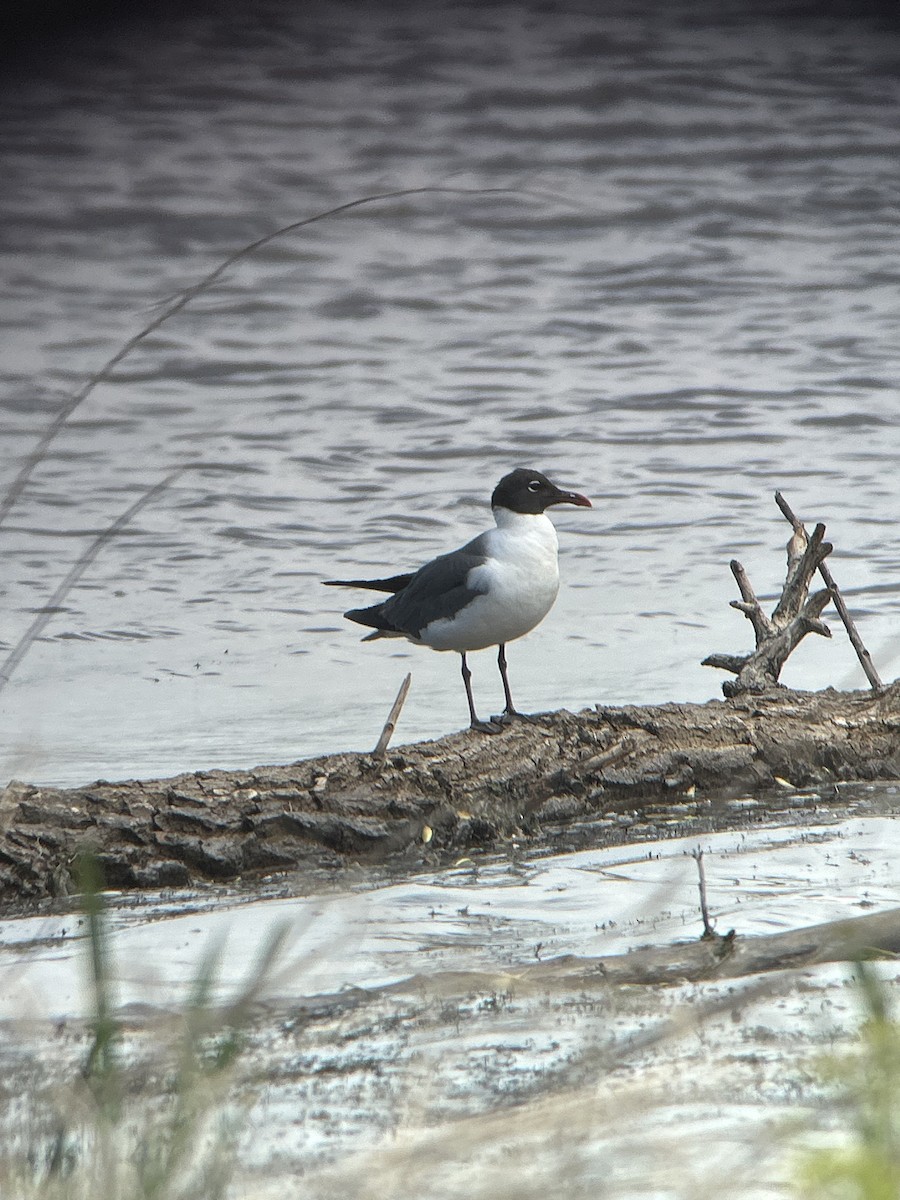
{"x": 615, "y": 772}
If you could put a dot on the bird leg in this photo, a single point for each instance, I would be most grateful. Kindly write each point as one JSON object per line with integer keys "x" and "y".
{"x": 510, "y": 712}
{"x": 474, "y": 723}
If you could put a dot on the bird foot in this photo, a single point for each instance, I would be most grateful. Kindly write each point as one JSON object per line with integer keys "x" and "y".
{"x": 492, "y": 726}
{"x": 510, "y": 715}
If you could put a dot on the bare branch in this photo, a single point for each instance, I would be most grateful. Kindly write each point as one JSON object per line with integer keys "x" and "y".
{"x": 799, "y": 575}
{"x": 790, "y": 514}
{"x": 865, "y": 659}
{"x": 726, "y": 662}
{"x": 813, "y": 608}
{"x": 750, "y": 606}
{"x": 796, "y": 614}
{"x": 393, "y": 716}
{"x": 708, "y": 931}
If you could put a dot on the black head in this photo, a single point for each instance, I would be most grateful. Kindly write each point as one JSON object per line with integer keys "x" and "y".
{"x": 525, "y": 491}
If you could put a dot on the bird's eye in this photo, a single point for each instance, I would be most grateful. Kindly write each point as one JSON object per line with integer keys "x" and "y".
{"x": 535, "y": 485}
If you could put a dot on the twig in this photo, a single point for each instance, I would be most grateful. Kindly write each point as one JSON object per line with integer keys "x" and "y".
{"x": 734, "y": 663}
{"x": 750, "y": 606}
{"x": 708, "y": 931}
{"x": 36, "y": 627}
{"x": 865, "y": 659}
{"x": 391, "y": 723}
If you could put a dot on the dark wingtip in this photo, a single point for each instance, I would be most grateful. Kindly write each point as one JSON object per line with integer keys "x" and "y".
{"x": 396, "y": 583}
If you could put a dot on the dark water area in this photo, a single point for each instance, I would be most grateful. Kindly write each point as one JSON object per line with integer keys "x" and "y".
{"x": 685, "y": 297}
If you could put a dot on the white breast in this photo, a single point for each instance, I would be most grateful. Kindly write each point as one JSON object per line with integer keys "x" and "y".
{"x": 521, "y": 577}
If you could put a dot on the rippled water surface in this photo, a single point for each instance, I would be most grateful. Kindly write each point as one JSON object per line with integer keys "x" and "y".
{"x": 690, "y": 300}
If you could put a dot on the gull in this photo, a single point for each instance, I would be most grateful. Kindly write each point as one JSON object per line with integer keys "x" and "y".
{"x": 491, "y": 591}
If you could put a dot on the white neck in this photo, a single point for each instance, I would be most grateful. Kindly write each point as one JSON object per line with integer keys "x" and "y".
{"x": 535, "y": 530}
{"x": 507, "y": 519}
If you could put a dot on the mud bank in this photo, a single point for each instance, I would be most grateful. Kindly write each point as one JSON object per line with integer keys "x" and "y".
{"x": 536, "y": 782}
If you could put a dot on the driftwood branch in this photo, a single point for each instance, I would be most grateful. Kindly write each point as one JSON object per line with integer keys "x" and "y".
{"x": 854, "y": 939}
{"x": 795, "y": 615}
{"x": 708, "y": 930}
{"x": 734, "y": 663}
{"x": 876, "y": 935}
{"x": 393, "y": 716}
{"x": 750, "y": 606}
{"x": 856, "y": 641}
{"x": 801, "y": 569}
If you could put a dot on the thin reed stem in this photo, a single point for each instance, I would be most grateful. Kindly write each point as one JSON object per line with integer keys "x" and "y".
{"x": 37, "y": 626}
{"x": 182, "y": 299}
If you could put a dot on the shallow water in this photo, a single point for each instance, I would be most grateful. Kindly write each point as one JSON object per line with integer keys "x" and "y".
{"x": 691, "y": 302}
{"x": 488, "y": 918}
{"x": 653, "y": 1090}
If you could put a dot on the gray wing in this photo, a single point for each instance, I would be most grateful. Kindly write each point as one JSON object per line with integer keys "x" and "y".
{"x": 438, "y": 590}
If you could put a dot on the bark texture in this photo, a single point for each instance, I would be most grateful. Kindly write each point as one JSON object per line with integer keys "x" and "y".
{"x": 615, "y": 772}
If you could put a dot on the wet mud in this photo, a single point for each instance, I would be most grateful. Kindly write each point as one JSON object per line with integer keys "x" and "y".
{"x": 417, "y": 1031}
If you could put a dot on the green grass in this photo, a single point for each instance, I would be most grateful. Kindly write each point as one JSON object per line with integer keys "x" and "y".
{"x": 110, "y": 1133}
{"x": 865, "y": 1164}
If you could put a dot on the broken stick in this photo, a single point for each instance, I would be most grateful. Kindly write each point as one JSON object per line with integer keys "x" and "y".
{"x": 724, "y": 942}
{"x": 708, "y": 931}
{"x": 865, "y": 659}
{"x": 391, "y": 723}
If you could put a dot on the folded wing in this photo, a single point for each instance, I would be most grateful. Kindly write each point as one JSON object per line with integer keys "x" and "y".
{"x": 437, "y": 591}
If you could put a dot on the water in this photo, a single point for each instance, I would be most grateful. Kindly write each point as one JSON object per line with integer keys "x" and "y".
{"x": 668, "y": 1091}
{"x": 490, "y": 918}
{"x": 699, "y": 307}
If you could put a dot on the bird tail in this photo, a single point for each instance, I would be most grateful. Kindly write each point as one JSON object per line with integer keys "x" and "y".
{"x": 396, "y": 583}
{"x": 375, "y": 618}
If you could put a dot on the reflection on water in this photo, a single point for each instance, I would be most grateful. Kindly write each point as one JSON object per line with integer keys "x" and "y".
{"x": 704, "y": 310}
